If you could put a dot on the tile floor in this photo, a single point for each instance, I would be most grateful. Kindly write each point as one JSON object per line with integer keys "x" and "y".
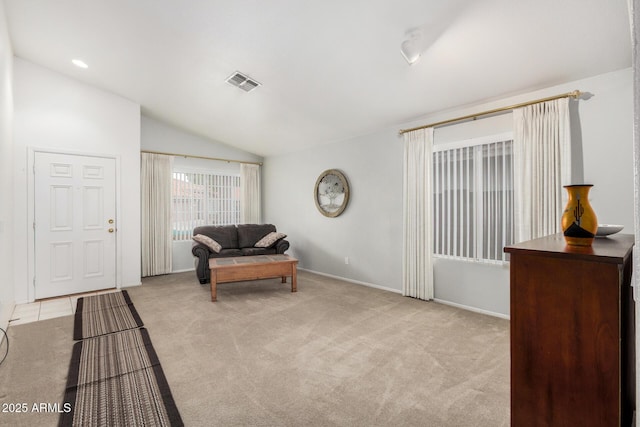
{"x": 49, "y": 308}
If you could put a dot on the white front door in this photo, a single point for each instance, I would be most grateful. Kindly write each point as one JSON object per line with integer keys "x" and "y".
{"x": 75, "y": 230}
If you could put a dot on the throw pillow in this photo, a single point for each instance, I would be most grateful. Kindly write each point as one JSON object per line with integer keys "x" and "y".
{"x": 269, "y": 240}
{"x": 208, "y": 242}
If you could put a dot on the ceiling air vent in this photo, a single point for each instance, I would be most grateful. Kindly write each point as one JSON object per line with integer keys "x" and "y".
{"x": 245, "y": 83}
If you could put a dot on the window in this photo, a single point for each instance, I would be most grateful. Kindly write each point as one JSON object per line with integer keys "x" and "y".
{"x": 203, "y": 198}
{"x": 473, "y": 199}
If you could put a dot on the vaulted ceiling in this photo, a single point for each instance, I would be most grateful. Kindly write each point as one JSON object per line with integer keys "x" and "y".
{"x": 329, "y": 69}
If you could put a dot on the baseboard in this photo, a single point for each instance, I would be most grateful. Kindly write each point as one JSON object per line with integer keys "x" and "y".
{"x": 397, "y": 291}
{"x": 357, "y": 282}
{"x": 130, "y": 286}
{"x": 371, "y": 285}
{"x": 474, "y": 309}
{"x": 6, "y": 311}
{"x": 183, "y": 270}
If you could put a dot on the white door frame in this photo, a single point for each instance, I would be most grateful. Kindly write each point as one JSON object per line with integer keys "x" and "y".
{"x": 31, "y": 151}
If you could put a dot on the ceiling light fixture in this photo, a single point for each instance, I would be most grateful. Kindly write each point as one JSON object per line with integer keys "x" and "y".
{"x": 79, "y": 63}
{"x": 242, "y": 81}
{"x": 411, "y": 48}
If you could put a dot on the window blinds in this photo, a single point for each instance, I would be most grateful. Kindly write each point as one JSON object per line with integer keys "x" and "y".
{"x": 200, "y": 198}
{"x": 473, "y": 201}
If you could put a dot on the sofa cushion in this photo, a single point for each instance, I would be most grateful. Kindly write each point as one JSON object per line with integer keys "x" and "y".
{"x": 270, "y": 240}
{"x": 225, "y": 253}
{"x": 257, "y": 251}
{"x": 226, "y": 235}
{"x": 249, "y": 234}
{"x": 208, "y": 242}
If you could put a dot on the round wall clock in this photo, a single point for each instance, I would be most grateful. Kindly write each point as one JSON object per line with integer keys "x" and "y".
{"x": 331, "y": 193}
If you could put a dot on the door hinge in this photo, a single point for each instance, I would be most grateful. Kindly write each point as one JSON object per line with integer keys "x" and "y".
{"x": 34, "y": 281}
{"x": 34, "y": 225}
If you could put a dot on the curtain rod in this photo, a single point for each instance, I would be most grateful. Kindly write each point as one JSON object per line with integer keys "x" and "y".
{"x": 575, "y": 94}
{"x": 201, "y": 157}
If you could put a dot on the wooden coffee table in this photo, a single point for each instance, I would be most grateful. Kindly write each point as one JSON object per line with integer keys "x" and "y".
{"x": 238, "y": 269}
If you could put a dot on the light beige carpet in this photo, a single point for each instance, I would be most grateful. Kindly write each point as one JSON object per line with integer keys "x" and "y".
{"x": 332, "y": 354}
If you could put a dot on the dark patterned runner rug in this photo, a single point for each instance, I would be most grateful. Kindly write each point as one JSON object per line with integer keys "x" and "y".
{"x": 117, "y": 380}
{"x": 103, "y": 314}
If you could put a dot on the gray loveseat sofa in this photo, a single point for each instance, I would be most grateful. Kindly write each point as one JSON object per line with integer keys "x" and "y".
{"x": 234, "y": 241}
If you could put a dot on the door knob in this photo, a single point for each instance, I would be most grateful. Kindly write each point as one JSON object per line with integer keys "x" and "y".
{"x": 111, "y": 230}
{"x": 110, "y": 221}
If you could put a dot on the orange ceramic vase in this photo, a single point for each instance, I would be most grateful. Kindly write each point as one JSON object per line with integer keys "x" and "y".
{"x": 579, "y": 221}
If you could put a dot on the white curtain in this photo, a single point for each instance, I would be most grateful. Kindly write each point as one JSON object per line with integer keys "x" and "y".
{"x": 417, "y": 254}
{"x": 156, "y": 180}
{"x": 250, "y": 200}
{"x": 542, "y": 166}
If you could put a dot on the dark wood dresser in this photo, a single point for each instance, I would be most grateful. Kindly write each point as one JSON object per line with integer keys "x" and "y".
{"x": 572, "y": 333}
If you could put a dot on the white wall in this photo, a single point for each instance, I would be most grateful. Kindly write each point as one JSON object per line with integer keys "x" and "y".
{"x": 55, "y": 112}
{"x": 635, "y": 27}
{"x": 159, "y": 136}
{"x": 370, "y": 230}
{"x": 6, "y": 173}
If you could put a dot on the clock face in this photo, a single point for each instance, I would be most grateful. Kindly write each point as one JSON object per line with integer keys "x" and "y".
{"x": 331, "y": 193}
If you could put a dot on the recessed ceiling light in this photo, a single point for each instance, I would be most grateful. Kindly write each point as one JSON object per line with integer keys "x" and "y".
{"x": 79, "y": 63}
